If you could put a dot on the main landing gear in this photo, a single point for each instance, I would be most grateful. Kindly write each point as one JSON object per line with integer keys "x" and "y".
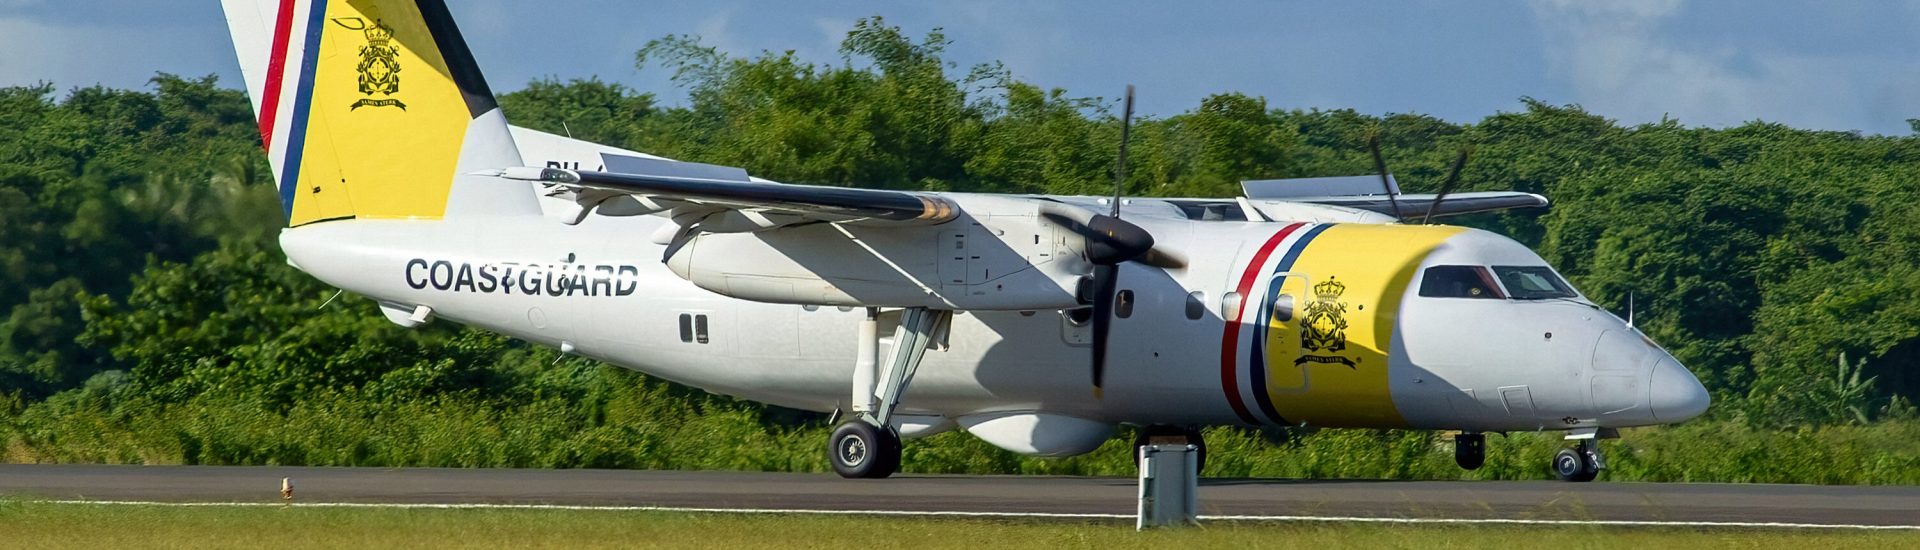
{"x": 866, "y": 446}
{"x": 860, "y": 449}
{"x": 1583, "y": 462}
{"x": 1170, "y": 435}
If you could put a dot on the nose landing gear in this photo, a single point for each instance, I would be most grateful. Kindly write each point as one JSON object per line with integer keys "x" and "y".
{"x": 1583, "y": 462}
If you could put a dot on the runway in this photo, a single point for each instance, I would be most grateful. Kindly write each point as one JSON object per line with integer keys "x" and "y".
{"x": 1682, "y": 503}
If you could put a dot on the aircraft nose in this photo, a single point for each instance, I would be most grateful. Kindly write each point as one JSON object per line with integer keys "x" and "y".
{"x": 1677, "y": 395}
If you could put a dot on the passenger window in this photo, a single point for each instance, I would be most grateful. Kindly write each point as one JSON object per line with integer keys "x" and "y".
{"x": 1459, "y": 281}
{"x": 1123, "y": 304}
{"x": 686, "y": 327}
{"x": 700, "y": 328}
{"x": 1196, "y": 305}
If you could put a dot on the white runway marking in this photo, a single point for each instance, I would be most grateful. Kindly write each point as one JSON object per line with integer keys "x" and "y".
{"x": 1013, "y": 515}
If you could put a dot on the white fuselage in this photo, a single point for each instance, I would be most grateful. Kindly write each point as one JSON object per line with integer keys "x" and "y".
{"x": 600, "y": 290}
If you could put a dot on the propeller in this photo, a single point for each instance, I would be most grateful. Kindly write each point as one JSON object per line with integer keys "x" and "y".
{"x": 1107, "y": 253}
{"x": 1386, "y": 184}
{"x": 1110, "y": 242}
{"x": 1380, "y": 167}
{"x": 1453, "y": 179}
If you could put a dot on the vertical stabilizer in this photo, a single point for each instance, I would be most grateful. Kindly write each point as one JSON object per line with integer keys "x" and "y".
{"x": 373, "y": 109}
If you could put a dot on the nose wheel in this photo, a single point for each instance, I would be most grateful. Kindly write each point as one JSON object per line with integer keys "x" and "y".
{"x": 1579, "y": 464}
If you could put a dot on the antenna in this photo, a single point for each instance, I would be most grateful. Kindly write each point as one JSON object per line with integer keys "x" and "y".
{"x": 1629, "y": 309}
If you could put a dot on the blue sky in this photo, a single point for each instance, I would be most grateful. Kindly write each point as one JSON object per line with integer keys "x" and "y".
{"x": 1850, "y": 65}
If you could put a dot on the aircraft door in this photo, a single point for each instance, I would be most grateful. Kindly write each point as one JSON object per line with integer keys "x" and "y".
{"x": 1151, "y": 334}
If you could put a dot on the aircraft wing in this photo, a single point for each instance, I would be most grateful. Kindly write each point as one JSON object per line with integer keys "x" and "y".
{"x": 723, "y": 199}
{"x": 1417, "y": 205}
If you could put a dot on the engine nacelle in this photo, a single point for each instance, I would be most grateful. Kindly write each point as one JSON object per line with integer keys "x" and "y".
{"x": 998, "y": 255}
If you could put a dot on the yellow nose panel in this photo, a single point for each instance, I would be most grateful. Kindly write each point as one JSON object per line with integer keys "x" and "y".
{"x": 1333, "y": 305}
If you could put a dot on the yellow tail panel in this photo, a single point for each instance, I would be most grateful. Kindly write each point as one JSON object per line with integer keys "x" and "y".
{"x": 373, "y": 109}
{"x": 387, "y": 120}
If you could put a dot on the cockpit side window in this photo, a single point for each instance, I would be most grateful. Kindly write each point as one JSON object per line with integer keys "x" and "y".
{"x": 1459, "y": 281}
{"x": 1533, "y": 282}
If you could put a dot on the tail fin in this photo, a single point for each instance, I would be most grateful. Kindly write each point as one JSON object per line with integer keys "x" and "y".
{"x": 373, "y": 109}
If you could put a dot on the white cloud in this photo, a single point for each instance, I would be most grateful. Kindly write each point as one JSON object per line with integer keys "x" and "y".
{"x": 35, "y": 52}
{"x": 1622, "y": 61}
{"x": 714, "y": 31}
{"x": 832, "y": 32}
{"x": 77, "y": 55}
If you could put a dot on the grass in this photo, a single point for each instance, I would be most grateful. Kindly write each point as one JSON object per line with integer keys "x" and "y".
{"x": 646, "y": 427}
{"x": 599, "y": 417}
{"x": 51, "y": 525}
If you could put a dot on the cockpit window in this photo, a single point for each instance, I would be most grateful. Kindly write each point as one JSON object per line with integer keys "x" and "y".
{"x": 1533, "y": 282}
{"x": 1459, "y": 281}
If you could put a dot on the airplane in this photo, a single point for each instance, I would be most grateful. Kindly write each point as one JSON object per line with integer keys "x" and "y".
{"x": 1038, "y": 323}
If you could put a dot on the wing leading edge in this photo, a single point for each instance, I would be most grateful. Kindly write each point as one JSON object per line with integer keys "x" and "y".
{"x": 815, "y": 203}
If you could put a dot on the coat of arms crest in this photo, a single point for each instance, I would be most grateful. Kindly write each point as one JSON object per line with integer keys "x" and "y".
{"x": 1324, "y": 327}
{"x": 379, "y": 68}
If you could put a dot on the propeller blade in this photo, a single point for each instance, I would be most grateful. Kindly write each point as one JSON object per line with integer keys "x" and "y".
{"x": 1453, "y": 179}
{"x": 1163, "y": 259}
{"x": 1109, "y": 242}
{"x": 1120, "y": 164}
{"x": 1106, "y": 283}
{"x": 1380, "y": 165}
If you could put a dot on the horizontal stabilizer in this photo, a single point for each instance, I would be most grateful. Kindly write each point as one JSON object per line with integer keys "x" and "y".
{"x": 1340, "y": 186}
{"x": 1455, "y": 204}
{"x": 642, "y": 166}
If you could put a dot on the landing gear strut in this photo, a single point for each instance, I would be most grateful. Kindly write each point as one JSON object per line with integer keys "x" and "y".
{"x": 1170, "y": 435}
{"x": 867, "y": 446}
{"x": 1470, "y": 450}
{"x": 1583, "y": 462}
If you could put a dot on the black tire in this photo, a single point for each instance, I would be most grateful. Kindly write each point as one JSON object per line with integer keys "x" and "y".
{"x": 1470, "y": 450}
{"x": 1145, "y": 435}
{"x": 859, "y": 450}
{"x": 1574, "y": 465}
